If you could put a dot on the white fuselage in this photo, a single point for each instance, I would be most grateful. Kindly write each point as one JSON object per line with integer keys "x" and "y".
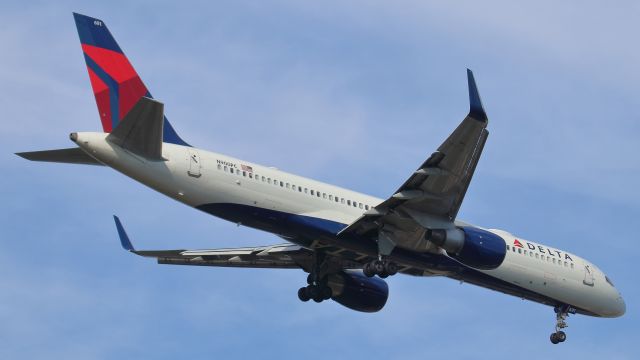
{"x": 196, "y": 177}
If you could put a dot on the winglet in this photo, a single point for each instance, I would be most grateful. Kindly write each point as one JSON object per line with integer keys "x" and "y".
{"x": 476, "y": 110}
{"x": 124, "y": 238}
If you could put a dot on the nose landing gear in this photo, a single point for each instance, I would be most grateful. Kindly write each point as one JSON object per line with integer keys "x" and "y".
{"x": 562, "y": 312}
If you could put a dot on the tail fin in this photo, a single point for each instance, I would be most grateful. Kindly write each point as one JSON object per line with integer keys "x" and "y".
{"x": 116, "y": 84}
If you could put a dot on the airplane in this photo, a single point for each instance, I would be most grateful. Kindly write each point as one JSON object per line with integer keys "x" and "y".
{"x": 347, "y": 242}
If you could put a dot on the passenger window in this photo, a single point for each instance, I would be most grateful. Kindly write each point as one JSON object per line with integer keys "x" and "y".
{"x": 268, "y": 180}
{"x": 342, "y": 200}
{"x": 250, "y": 176}
{"x": 514, "y": 249}
{"x": 287, "y": 185}
{"x": 226, "y": 169}
{"x": 231, "y": 170}
{"x": 244, "y": 173}
{"x": 554, "y": 260}
{"x": 219, "y": 167}
{"x": 306, "y": 191}
{"x": 360, "y": 206}
{"x": 566, "y": 264}
{"x": 324, "y": 195}
{"x": 572, "y": 265}
{"x": 537, "y": 256}
{"x": 366, "y": 207}
{"x": 312, "y": 193}
{"x": 330, "y": 197}
{"x": 300, "y": 188}
{"x": 349, "y": 202}
{"x": 337, "y": 199}
{"x": 264, "y": 179}
{"x": 318, "y": 193}
{"x": 519, "y": 251}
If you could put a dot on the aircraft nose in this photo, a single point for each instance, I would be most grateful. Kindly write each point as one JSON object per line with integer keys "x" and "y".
{"x": 621, "y": 307}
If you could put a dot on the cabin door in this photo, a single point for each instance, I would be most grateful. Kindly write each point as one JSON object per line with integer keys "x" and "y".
{"x": 588, "y": 276}
{"x": 194, "y": 164}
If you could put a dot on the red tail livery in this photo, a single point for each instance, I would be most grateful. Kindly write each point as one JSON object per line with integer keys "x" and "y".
{"x": 116, "y": 84}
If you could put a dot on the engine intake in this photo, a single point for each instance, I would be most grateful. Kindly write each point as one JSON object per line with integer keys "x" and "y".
{"x": 352, "y": 289}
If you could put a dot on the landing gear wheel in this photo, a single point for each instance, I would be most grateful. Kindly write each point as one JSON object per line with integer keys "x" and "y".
{"x": 390, "y": 268}
{"x": 368, "y": 270}
{"x": 312, "y": 291}
{"x": 378, "y": 266}
{"x": 554, "y": 338}
{"x": 302, "y": 294}
{"x": 310, "y": 279}
{"x": 382, "y": 268}
{"x": 561, "y": 336}
{"x": 326, "y": 293}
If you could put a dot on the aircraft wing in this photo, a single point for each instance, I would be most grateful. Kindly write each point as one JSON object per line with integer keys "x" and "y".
{"x": 432, "y": 195}
{"x": 275, "y": 256}
{"x": 285, "y": 256}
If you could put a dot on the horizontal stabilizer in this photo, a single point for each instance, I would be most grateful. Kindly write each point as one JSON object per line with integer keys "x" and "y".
{"x": 140, "y": 131}
{"x": 68, "y": 156}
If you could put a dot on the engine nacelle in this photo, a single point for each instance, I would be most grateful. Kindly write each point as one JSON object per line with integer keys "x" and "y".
{"x": 471, "y": 246}
{"x": 352, "y": 289}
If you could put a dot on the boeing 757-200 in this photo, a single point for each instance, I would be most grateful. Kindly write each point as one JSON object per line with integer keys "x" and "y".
{"x": 346, "y": 241}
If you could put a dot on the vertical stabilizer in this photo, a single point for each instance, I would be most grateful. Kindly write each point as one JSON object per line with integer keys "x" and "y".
{"x": 116, "y": 84}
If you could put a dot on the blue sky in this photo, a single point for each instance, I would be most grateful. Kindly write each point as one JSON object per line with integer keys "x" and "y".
{"x": 355, "y": 94}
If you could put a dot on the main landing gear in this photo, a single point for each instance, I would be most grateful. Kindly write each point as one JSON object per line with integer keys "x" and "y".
{"x": 318, "y": 290}
{"x": 562, "y": 312}
{"x": 382, "y": 268}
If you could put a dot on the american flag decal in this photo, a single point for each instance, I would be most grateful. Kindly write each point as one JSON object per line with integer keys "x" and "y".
{"x": 246, "y": 168}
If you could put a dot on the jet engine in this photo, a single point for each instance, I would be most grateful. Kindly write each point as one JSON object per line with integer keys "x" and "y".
{"x": 471, "y": 246}
{"x": 352, "y": 289}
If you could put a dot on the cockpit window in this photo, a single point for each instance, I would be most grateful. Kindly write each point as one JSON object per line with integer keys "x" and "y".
{"x": 609, "y": 281}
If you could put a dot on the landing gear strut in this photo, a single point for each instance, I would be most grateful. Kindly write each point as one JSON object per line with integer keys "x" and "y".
{"x": 382, "y": 268}
{"x": 562, "y": 312}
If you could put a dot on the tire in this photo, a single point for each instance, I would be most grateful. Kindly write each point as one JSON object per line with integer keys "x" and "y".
{"x": 391, "y": 268}
{"x": 561, "y": 336}
{"x": 302, "y": 294}
{"x": 310, "y": 279}
{"x": 368, "y": 270}
{"x": 378, "y": 266}
{"x": 312, "y": 291}
{"x": 554, "y": 339}
{"x": 326, "y": 293}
